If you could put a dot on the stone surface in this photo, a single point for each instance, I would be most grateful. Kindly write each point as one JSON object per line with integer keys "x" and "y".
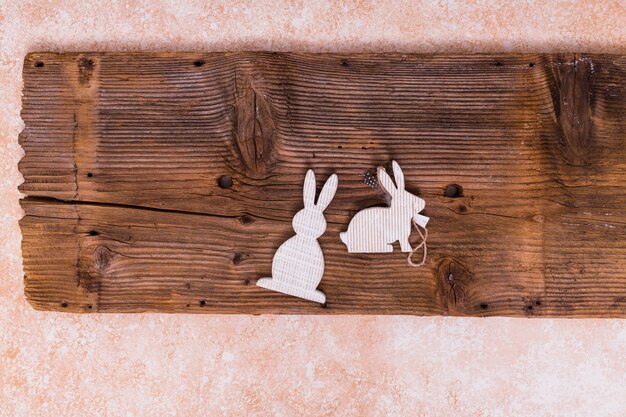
{"x": 158, "y": 365}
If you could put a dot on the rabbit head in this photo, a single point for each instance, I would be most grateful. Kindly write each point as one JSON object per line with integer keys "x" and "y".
{"x": 310, "y": 222}
{"x": 400, "y": 198}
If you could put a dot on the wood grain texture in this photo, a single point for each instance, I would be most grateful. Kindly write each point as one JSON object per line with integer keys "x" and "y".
{"x": 165, "y": 182}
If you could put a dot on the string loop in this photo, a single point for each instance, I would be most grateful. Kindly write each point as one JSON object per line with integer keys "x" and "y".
{"x": 424, "y": 236}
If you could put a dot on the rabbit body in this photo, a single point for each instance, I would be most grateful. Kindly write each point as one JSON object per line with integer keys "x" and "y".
{"x": 299, "y": 257}
{"x": 298, "y": 264}
{"x": 375, "y": 229}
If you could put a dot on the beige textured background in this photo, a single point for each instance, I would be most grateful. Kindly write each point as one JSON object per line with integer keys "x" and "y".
{"x": 158, "y": 365}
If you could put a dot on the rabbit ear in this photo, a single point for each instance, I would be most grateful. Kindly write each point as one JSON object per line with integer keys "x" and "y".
{"x": 385, "y": 180}
{"x": 309, "y": 189}
{"x": 328, "y": 192}
{"x": 398, "y": 175}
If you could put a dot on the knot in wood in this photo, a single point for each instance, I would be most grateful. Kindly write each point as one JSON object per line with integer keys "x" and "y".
{"x": 102, "y": 258}
{"x": 85, "y": 70}
{"x": 453, "y": 281}
{"x": 253, "y": 128}
{"x": 573, "y": 108}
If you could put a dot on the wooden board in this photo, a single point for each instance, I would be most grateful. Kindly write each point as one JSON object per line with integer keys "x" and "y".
{"x": 165, "y": 182}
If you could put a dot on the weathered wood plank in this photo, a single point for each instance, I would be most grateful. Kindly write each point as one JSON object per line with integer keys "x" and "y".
{"x": 165, "y": 182}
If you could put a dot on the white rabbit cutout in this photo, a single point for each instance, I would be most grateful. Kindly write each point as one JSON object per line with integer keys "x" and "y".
{"x": 298, "y": 264}
{"x": 373, "y": 230}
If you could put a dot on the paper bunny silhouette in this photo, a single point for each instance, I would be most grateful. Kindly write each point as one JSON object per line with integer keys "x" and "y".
{"x": 298, "y": 265}
{"x": 373, "y": 230}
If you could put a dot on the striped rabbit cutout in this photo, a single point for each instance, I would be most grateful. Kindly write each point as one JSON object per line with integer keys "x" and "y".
{"x": 298, "y": 265}
{"x": 375, "y": 229}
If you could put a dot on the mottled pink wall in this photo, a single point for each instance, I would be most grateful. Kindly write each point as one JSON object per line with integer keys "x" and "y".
{"x": 159, "y": 365}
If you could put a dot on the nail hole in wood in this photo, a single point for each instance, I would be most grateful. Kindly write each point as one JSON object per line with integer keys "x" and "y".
{"x": 499, "y": 64}
{"x": 324, "y": 305}
{"x": 39, "y": 64}
{"x": 89, "y": 174}
{"x": 484, "y": 306}
{"x": 199, "y": 62}
{"x": 453, "y": 191}
{"x": 237, "y": 258}
{"x": 532, "y": 64}
{"x": 343, "y": 63}
{"x": 89, "y": 306}
{"x": 225, "y": 181}
{"x": 202, "y": 302}
{"x": 64, "y": 305}
{"x": 462, "y": 208}
{"x": 93, "y": 233}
